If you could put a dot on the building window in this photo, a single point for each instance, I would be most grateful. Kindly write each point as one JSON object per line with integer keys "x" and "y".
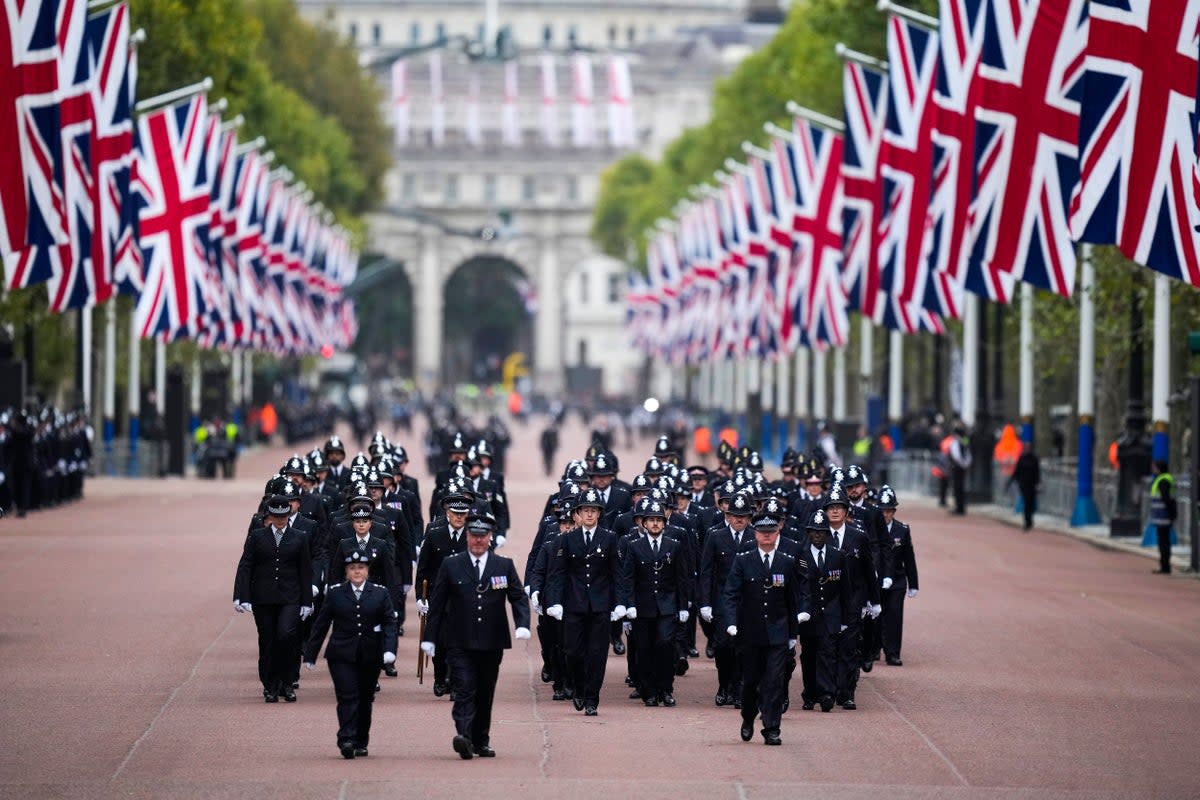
{"x": 572, "y": 188}
{"x": 376, "y": 33}
{"x": 548, "y": 33}
{"x": 650, "y": 31}
{"x": 584, "y": 288}
{"x": 451, "y": 188}
{"x": 582, "y": 349}
{"x": 528, "y": 189}
{"x": 631, "y": 34}
{"x": 480, "y": 30}
{"x": 354, "y": 32}
{"x": 408, "y": 189}
{"x": 614, "y": 287}
{"x": 489, "y": 188}
{"x": 572, "y": 34}
{"x": 441, "y": 30}
{"x": 612, "y": 34}
{"x": 414, "y": 32}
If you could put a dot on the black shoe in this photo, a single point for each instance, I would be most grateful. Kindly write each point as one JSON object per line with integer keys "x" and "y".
{"x": 590, "y": 711}
{"x": 650, "y": 701}
{"x": 440, "y": 689}
{"x": 708, "y": 651}
{"x": 772, "y": 738}
{"x": 747, "y": 731}
{"x": 850, "y": 705}
{"x": 628, "y": 680}
{"x": 827, "y": 704}
{"x": 377, "y": 687}
{"x": 295, "y": 684}
{"x": 635, "y": 695}
{"x": 577, "y": 701}
{"x": 787, "y": 703}
{"x": 1161, "y": 572}
{"x": 347, "y": 749}
{"x": 559, "y": 694}
{"x": 360, "y": 752}
{"x": 808, "y": 705}
{"x": 619, "y": 648}
{"x": 289, "y": 694}
{"x": 390, "y": 670}
{"x": 270, "y": 697}
{"x": 737, "y": 702}
{"x": 867, "y": 666}
{"x": 721, "y": 699}
{"x": 668, "y": 700}
{"x": 399, "y": 631}
{"x": 462, "y": 746}
{"x": 568, "y": 694}
{"x": 546, "y": 676}
{"x": 483, "y": 751}
{"x": 693, "y": 652}
{"x": 894, "y": 661}
{"x": 681, "y": 666}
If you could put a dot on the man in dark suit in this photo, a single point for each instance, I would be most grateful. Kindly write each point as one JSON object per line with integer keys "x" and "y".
{"x": 903, "y": 578}
{"x": 764, "y": 602}
{"x": 443, "y": 539}
{"x": 581, "y": 591}
{"x": 833, "y": 612}
{"x": 273, "y": 580}
{"x": 616, "y": 498}
{"x": 364, "y": 640}
{"x": 655, "y": 587}
{"x": 467, "y": 616}
{"x": 721, "y": 545}
{"x": 864, "y": 587}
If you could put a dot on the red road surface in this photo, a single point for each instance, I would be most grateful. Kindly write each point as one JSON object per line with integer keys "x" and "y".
{"x": 1035, "y": 666}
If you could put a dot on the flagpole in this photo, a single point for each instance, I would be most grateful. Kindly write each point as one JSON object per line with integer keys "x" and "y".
{"x": 783, "y": 400}
{"x": 1026, "y": 374}
{"x": 110, "y": 379}
{"x": 1085, "y": 511}
{"x": 167, "y": 98}
{"x": 800, "y": 399}
{"x": 235, "y": 380}
{"x": 135, "y": 393}
{"x": 895, "y": 386}
{"x": 846, "y": 54}
{"x": 194, "y": 405}
{"x": 915, "y": 17}
{"x": 815, "y": 117}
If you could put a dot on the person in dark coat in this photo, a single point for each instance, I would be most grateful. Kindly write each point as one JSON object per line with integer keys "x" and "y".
{"x": 273, "y": 581}
{"x": 363, "y": 618}
{"x": 467, "y": 616}
{"x": 833, "y": 611}
{"x": 904, "y": 578}
{"x": 1027, "y": 475}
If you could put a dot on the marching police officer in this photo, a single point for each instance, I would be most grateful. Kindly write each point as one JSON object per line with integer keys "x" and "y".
{"x": 467, "y": 617}
{"x": 833, "y": 612}
{"x": 903, "y": 578}
{"x": 721, "y": 546}
{"x": 363, "y": 640}
{"x": 444, "y": 538}
{"x": 273, "y": 579}
{"x": 763, "y": 603}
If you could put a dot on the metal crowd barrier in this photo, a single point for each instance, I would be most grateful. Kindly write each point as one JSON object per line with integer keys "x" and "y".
{"x": 117, "y": 460}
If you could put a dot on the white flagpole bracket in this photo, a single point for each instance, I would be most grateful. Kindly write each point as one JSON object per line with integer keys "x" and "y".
{"x": 907, "y": 14}
{"x": 182, "y": 93}
{"x": 751, "y": 149}
{"x": 846, "y": 54}
{"x": 234, "y": 124}
{"x": 734, "y": 166}
{"x": 776, "y": 131}
{"x": 815, "y": 117}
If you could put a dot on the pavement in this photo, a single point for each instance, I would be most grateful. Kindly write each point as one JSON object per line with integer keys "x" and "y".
{"x": 1034, "y": 667}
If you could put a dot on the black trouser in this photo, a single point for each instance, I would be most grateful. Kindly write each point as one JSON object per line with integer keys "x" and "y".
{"x": 729, "y": 669}
{"x": 1028, "y": 504}
{"x": 550, "y": 635}
{"x": 689, "y": 638}
{"x": 943, "y": 487}
{"x": 585, "y": 649}
{"x": 891, "y": 621}
{"x": 1164, "y": 547}
{"x": 354, "y": 687}
{"x": 870, "y": 639}
{"x": 958, "y": 477}
{"x": 849, "y": 660}
{"x": 655, "y": 638}
{"x": 278, "y": 629}
{"x": 764, "y": 674}
{"x": 817, "y": 665}
{"x": 473, "y": 676}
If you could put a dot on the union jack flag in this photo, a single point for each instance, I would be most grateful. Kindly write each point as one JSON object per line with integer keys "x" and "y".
{"x": 1137, "y": 134}
{"x": 864, "y": 93}
{"x": 1027, "y": 145}
{"x": 248, "y": 243}
{"x": 905, "y": 166}
{"x": 173, "y": 185}
{"x": 786, "y": 287}
{"x": 762, "y": 259}
{"x": 955, "y": 97}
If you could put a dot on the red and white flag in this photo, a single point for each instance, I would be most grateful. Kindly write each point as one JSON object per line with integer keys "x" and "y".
{"x": 437, "y": 101}
{"x": 621, "y": 132}
{"x": 583, "y": 119}
{"x": 510, "y": 123}
{"x": 472, "y": 127}
{"x": 549, "y": 106}
{"x": 401, "y": 122}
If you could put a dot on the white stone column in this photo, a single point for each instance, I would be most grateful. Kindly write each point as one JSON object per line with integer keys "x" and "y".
{"x": 428, "y": 311}
{"x": 866, "y": 361}
{"x": 1160, "y": 388}
{"x": 783, "y": 386}
{"x": 820, "y": 401}
{"x": 85, "y": 353}
{"x": 548, "y": 332}
{"x": 839, "y": 384}
{"x": 970, "y": 359}
{"x": 248, "y": 379}
{"x": 1025, "y": 386}
{"x": 160, "y": 374}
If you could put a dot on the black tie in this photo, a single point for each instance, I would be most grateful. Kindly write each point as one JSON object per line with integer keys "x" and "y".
{"x": 767, "y": 562}
{"x": 821, "y": 559}
{"x": 357, "y": 594}
{"x": 362, "y": 544}
{"x": 478, "y": 571}
{"x": 587, "y": 539}
{"x": 837, "y": 541}
{"x": 654, "y": 546}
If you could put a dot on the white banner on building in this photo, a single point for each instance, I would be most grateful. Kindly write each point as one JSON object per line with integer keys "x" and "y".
{"x": 549, "y": 111}
{"x": 400, "y": 103}
{"x": 472, "y": 129}
{"x": 437, "y": 97}
{"x": 510, "y": 126}
{"x": 583, "y": 121}
{"x": 621, "y": 131}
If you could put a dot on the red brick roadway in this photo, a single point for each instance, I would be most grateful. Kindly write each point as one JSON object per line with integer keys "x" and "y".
{"x": 1034, "y": 666}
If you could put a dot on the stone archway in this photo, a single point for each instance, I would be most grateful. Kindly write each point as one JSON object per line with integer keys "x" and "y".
{"x": 489, "y": 304}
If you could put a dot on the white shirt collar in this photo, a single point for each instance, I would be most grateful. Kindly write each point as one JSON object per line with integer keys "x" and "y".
{"x": 768, "y": 553}
{"x": 482, "y": 562}
{"x": 358, "y": 588}
{"x": 364, "y": 537}
{"x": 815, "y": 550}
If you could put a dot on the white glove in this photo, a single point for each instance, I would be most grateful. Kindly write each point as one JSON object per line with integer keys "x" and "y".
{"x": 842, "y": 629}
{"x": 803, "y": 616}
{"x": 536, "y": 598}
{"x": 617, "y": 613}
{"x": 316, "y": 591}
{"x": 522, "y": 633}
{"x": 865, "y": 610}
{"x": 706, "y": 613}
{"x": 875, "y": 611}
{"x": 626, "y": 628}
{"x": 887, "y": 583}
{"x": 683, "y": 616}
{"x": 422, "y": 607}
{"x": 528, "y": 590}
{"x": 731, "y": 630}
{"x": 389, "y": 658}
{"x": 555, "y": 611}
{"x": 500, "y": 540}
{"x": 308, "y": 665}
{"x": 237, "y": 606}
{"x": 912, "y": 592}
{"x": 427, "y": 648}
{"x": 631, "y": 613}
{"x": 791, "y": 644}
{"x": 305, "y": 612}
{"x": 407, "y": 588}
